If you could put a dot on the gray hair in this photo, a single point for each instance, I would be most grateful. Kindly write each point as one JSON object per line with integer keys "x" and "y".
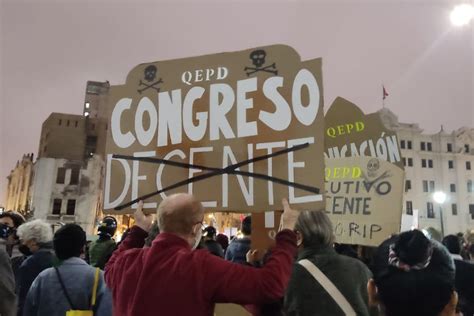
{"x": 316, "y": 228}
{"x": 37, "y": 230}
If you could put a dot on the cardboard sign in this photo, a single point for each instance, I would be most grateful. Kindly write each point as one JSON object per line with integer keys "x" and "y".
{"x": 364, "y": 176}
{"x": 265, "y": 226}
{"x": 239, "y": 130}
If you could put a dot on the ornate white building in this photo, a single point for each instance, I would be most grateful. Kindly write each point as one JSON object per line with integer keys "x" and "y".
{"x": 437, "y": 162}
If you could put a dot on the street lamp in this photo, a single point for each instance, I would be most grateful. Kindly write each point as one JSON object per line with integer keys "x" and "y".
{"x": 462, "y": 14}
{"x": 440, "y": 197}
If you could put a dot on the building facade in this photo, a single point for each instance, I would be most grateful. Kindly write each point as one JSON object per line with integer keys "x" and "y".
{"x": 69, "y": 172}
{"x": 437, "y": 162}
{"x": 18, "y": 188}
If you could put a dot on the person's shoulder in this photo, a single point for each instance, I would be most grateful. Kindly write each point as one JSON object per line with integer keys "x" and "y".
{"x": 4, "y": 255}
{"x": 353, "y": 262}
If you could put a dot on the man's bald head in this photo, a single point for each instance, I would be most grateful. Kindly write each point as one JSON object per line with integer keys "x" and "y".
{"x": 179, "y": 213}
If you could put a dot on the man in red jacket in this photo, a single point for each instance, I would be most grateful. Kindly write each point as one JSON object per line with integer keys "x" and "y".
{"x": 171, "y": 278}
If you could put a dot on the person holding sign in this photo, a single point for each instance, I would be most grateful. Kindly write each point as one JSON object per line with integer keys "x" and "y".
{"x": 171, "y": 278}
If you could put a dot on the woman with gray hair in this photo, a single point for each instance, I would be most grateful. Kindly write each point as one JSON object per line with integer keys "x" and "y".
{"x": 324, "y": 282}
{"x": 36, "y": 238}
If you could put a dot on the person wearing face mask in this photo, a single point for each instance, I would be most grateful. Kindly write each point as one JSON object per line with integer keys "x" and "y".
{"x": 37, "y": 237}
{"x": 171, "y": 278}
{"x": 9, "y": 223}
{"x": 324, "y": 282}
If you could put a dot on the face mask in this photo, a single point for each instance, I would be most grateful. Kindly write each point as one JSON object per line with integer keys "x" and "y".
{"x": 25, "y": 250}
{"x": 198, "y": 239}
{"x": 5, "y": 231}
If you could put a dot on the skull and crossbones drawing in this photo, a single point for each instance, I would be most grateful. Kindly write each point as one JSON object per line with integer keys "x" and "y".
{"x": 372, "y": 167}
{"x": 149, "y": 76}
{"x": 258, "y": 60}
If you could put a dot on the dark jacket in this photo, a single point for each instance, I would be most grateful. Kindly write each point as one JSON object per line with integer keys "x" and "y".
{"x": 171, "y": 278}
{"x": 29, "y": 270}
{"x": 100, "y": 252}
{"x": 7, "y": 286}
{"x": 465, "y": 286}
{"x": 46, "y": 296}
{"x": 305, "y": 296}
{"x": 237, "y": 250}
{"x": 214, "y": 247}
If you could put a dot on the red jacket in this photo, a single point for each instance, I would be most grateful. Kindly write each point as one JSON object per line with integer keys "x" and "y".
{"x": 171, "y": 279}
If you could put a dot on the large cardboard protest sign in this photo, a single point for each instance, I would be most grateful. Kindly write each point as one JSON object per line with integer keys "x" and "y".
{"x": 364, "y": 175}
{"x": 239, "y": 130}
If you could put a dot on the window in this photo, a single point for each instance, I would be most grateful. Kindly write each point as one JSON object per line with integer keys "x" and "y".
{"x": 71, "y": 207}
{"x": 407, "y": 185}
{"x": 409, "y": 208}
{"x": 468, "y": 165}
{"x": 75, "y": 125}
{"x": 57, "y": 206}
{"x": 423, "y": 163}
{"x": 91, "y": 146}
{"x": 74, "y": 176}
{"x": 402, "y": 144}
{"x": 432, "y": 186}
{"x": 93, "y": 126}
{"x": 429, "y": 208}
{"x": 471, "y": 210}
{"x": 430, "y": 163}
{"x": 404, "y": 162}
{"x": 423, "y": 146}
{"x": 466, "y": 147}
{"x": 454, "y": 209}
{"x": 425, "y": 186}
{"x": 60, "y": 178}
{"x": 451, "y": 164}
{"x": 428, "y": 145}
{"x": 67, "y": 123}
{"x": 452, "y": 187}
{"x": 410, "y": 162}
{"x": 450, "y": 148}
{"x": 409, "y": 144}
{"x": 469, "y": 186}
{"x": 60, "y": 122}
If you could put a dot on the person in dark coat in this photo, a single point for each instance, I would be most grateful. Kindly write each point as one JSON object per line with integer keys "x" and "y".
{"x": 223, "y": 240}
{"x": 413, "y": 276}
{"x": 7, "y": 286}
{"x": 209, "y": 241}
{"x": 101, "y": 250}
{"x": 464, "y": 275}
{"x": 307, "y": 295}
{"x": 239, "y": 247}
{"x": 37, "y": 236}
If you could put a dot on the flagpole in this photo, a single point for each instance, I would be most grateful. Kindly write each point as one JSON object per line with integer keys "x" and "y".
{"x": 383, "y": 96}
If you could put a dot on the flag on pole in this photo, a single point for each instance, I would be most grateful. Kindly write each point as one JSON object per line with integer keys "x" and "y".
{"x": 385, "y": 94}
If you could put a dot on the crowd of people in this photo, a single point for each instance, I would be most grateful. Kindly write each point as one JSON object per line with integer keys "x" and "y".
{"x": 175, "y": 266}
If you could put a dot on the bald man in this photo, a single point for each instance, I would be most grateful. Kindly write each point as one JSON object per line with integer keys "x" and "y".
{"x": 172, "y": 278}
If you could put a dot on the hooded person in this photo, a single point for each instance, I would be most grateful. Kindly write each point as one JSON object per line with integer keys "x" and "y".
{"x": 101, "y": 249}
{"x": 413, "y": 276}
